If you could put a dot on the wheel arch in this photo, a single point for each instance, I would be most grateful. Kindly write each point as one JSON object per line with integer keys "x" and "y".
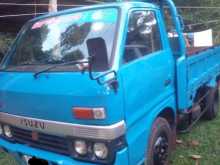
{"x": 169, "y": 114}
{"x": 141, "y": 130}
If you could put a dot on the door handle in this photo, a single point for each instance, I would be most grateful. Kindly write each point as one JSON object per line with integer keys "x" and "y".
{"x": 167, "y": 82}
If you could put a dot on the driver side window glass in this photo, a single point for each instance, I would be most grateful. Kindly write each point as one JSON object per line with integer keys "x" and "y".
{"x": 143, "y": 37}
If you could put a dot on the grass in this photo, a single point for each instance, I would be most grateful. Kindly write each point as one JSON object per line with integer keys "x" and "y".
{"x": 205, "y": 133}
{"x": 6, "y": 159}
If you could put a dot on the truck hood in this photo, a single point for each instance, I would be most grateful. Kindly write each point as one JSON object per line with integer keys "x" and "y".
{"x": 53, "y": 95}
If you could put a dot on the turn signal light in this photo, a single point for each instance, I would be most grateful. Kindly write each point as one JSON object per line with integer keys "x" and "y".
{"x": 89, "y": 113}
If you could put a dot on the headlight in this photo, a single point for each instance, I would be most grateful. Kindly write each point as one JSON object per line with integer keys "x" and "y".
{"x": 80, "y": 147}
{"x": 7, "y": 131}
{"x": 97, "y": 152}
{"x": 100, "y": 150}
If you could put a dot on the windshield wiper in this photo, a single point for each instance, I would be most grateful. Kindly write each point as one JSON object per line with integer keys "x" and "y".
{"x": 36, "y": 74}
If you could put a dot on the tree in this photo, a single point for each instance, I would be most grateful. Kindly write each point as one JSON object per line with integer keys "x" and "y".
{"x": 201, "y": 18}
{"x": 6, "y": 40}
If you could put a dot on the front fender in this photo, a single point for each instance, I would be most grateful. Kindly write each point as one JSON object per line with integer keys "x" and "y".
{"x": 138, "y": 134}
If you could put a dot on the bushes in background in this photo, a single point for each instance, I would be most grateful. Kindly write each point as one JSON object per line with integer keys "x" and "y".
{"x": 6, "y": 40}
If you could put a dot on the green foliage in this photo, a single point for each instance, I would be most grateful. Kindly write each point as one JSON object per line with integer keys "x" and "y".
{"x": 6, "y": 159}
{"x": 207, "y": 133}
{"x": 205, "y": 18}
{"x": 5, "y": 41}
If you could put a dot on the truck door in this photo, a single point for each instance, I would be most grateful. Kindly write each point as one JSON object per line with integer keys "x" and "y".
{"x": 147, "y": 71}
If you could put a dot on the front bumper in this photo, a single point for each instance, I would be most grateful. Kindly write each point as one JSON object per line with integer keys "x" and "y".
{"x": 17, "y": 150}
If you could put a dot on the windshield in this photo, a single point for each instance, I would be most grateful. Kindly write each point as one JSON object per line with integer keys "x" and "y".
{"x": 63, "y": 38}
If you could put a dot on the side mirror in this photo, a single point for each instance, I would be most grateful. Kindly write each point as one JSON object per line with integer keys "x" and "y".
{"x": 98, "y": 52}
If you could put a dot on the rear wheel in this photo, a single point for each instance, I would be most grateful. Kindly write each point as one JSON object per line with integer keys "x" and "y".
{"x": 160, "y": 143}
{"x": 212, "y": 104}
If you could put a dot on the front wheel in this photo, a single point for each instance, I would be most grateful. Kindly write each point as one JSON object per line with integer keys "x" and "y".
{"x": 160, "y": 143}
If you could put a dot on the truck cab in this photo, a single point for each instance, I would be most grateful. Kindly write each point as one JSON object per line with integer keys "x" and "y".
{"x": 95, "y": 85}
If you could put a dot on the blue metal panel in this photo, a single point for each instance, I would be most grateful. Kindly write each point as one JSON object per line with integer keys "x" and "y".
{"x": 203, "y": 69}
{"x": 181, "y": 83}
{"x": 53, "y": 95}
{"x": 145, "y": 93}
{"x": 139, "y": 132}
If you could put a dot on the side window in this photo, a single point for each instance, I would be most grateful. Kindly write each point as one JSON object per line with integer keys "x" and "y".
{"x": 143, "y": 35}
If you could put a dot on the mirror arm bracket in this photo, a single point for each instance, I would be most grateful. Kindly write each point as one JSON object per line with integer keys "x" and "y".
{"x": 113, "y": 83}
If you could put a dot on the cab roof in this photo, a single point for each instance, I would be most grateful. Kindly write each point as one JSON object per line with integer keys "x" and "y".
{"x": 125, "y": 6}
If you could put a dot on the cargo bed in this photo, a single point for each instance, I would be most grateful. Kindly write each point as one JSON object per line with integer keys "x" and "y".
{"x": 202, "y": 67}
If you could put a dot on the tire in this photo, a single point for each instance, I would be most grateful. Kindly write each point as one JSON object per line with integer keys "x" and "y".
{"x": 212, "y": 104}
{"x": 160, "y": 143}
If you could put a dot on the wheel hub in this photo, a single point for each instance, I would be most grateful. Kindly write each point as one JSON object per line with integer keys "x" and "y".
{"x": 160, "y": 150}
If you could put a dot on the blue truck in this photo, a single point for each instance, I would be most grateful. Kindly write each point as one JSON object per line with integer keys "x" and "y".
{"x": 104, "y": 84}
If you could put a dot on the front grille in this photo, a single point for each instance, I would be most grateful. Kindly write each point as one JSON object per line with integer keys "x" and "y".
{"x": 46, "y": 142}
